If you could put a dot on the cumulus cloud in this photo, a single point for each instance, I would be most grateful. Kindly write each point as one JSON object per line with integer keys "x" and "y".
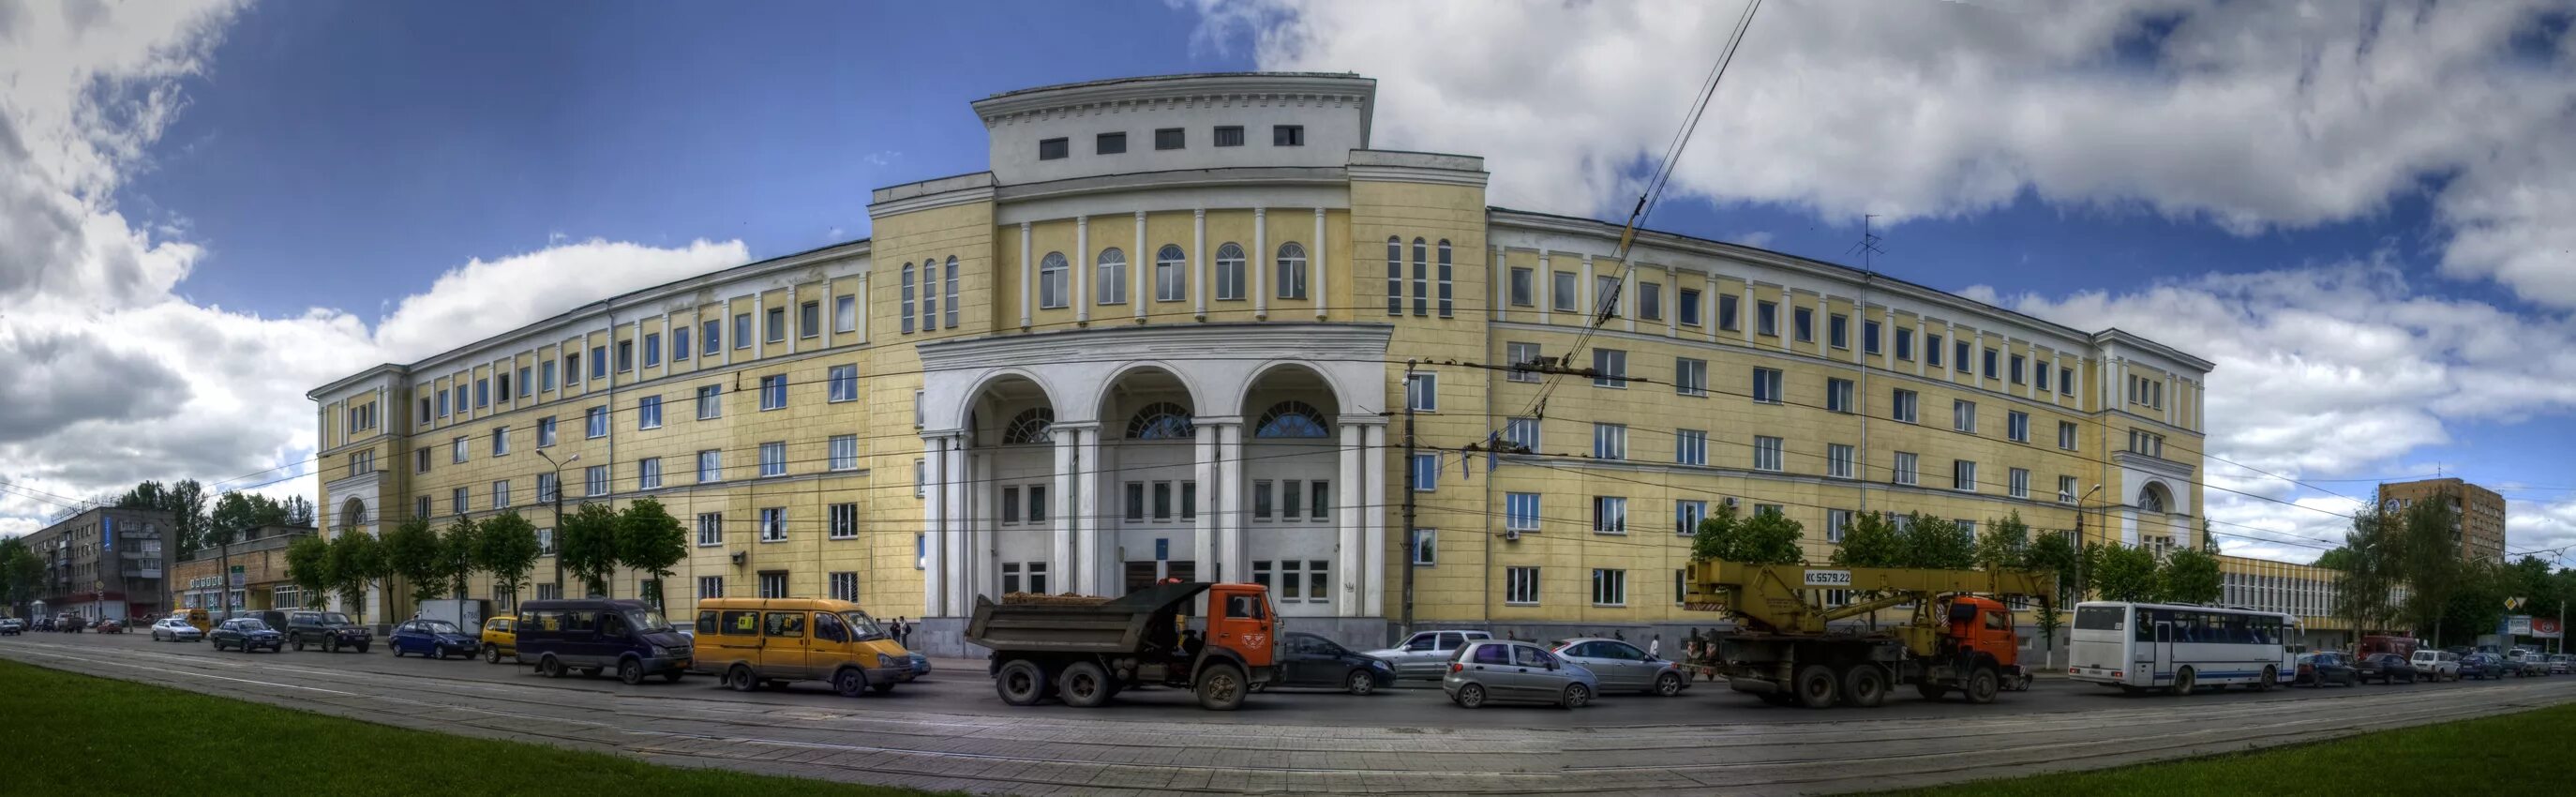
{"x": 484, "y": 298}
{"x": 2251, "y": 116}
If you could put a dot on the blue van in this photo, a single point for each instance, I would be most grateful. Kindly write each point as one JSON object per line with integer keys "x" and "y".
{"x": 594, "y": 634}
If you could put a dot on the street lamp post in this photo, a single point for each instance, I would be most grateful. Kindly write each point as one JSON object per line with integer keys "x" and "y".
{"x": 558, "y": 506}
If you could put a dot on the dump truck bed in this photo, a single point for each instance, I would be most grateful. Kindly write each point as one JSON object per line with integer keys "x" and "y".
{"x": 1113, "y": 627}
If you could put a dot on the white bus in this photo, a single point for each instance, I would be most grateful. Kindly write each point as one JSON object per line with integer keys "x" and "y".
{"x": 2179, "y": 647}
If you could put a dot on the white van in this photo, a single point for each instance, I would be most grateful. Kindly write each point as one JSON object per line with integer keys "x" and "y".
{"x": 2437, "y": 665}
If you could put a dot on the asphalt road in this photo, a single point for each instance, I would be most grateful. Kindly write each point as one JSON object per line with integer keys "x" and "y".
{"x": 951, "y": 732}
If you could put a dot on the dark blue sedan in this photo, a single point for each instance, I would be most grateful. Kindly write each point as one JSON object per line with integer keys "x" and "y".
{"x": 246, "y": 634}
{"x": 2482, "y": 666}
{"x": 433, "y": 638}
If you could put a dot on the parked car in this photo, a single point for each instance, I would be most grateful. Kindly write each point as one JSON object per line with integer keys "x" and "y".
{"x": 2527, "y": 663}
{"x": 750, "y": 642}
{"x": 1490, "y": 671}
{"x": 1426, "y": 654}
{"x": 920, "y": 664}
{"x": 2560, "y": 664}
{"x": 2436, "y": 665}
{"x": 11, "y": 626}
{"x": 500, "y": 638}
{"x": 2386, "y": 668}
{"x": 176, "y": 630}
{"x": 246, "y": 634}
{"x": 2319, "y": 669}
{"x": 433, "y": 638}
{"x": 589, "y": 635}
{"x": 44, "y": 624}
{"x": 330, "y": 631}
{"x": 274, "y": 618}
{"x": 2482, "y": 666}
{"x": 195, "y": 617}
{"x": 70, "y": 624}
{"x": 1310, "y": 660}
{"x": 1623, "y": 667}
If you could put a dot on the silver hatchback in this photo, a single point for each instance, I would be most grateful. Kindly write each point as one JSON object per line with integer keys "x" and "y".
{"x": 1516, "y": 672}
{"x": 1624, "y": 668}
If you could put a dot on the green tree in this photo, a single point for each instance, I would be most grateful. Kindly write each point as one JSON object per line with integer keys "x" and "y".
{"x": 2189, "y": 575}
{"x": 506, "y": 547}
{"x": 299, "y": 512}
{"x": 234, "y": 516}
{"x": 2055, "y": 553}
{"x": 2005, "y": 545}
{"x": 1936, "y": 544}
{"x": 1870, "y": 541}
{"x": 2429, "y": 563}
{"x": 2123, "y": 573}
{"x": 358, "y": 562}
{"x": 456, "y": 553}
{"x": 586, "y": 544}
{"x": 2475, "y": 604}
{"x": 1715, "y": 533}
{"x": 2369, "y": 571}
{"x": 412, "y": 552}
{"x": 22, "y": 573}
{"x": 308, "y": 566}
{"x": 649, "y": 539}
{"x": 186, "y": 503}
{"x": 146, "y": 495}
{"x": 1766, "y": 538}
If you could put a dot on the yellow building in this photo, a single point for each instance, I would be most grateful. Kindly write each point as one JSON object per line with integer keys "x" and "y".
{"x": 2477, "y": 513}
{"x": 1164, "y": 333}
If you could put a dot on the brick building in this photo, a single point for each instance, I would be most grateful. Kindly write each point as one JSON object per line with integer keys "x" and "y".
{"x": 261, "y": 558}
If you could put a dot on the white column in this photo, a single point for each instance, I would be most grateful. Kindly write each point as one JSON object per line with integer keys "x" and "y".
{"x": 1628, "y": 295}
{"x": 2199, "y": 405}
{"x": 1920, "y": 340}
{"x": 1081, "y": 269}
{"x": 1066, "y": 560}
{"x": 972, "y": 520}
{"x": 966, "y": 562}
{"x": 1673, "y": 303}
{"x": 862, "y": 310}
{"x": 1086, "y": 521}
{"x": 1229, "y": 466}
{"x": 1498, "y": 293}
{"x": 934, "y": 570}
{"x": 2056, "y": 396}
{"x": 1590, "y": 304}
{"x": 1203, "y": 548}
{"x": 2169, "y": 401}
{"x": 1708, "y": 315}
{"x": 1348, "y": 557}
{"x": 1138, "y": 263}
{"x": 1198, "y": 263}
{"x": 1950, "y": 364}
{"x": 1025, "y": 268}
{"x": 1548, "y": 278}
{"x": 666, "y": 335}
{"x": 1315, "y": 255}
{"x": 1258, "y": 281}
{"x": 1373, "y": 525}
{"x": 1745, "y": 319}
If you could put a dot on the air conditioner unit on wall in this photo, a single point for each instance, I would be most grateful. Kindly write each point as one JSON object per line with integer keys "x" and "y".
{"x": 1511, "y": 535}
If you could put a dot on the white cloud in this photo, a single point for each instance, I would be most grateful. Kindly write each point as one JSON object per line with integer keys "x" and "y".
{"x": 2252, "y": 116}
{"x": 2543, "y": 524}
{"x": 484, "y": 298}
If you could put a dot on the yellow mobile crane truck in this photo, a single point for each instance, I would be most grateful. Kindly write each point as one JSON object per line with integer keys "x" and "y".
{"x": 1960, "y": 637}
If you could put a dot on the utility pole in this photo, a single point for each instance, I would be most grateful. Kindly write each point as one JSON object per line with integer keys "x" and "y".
{"x": 1411, "y": 543}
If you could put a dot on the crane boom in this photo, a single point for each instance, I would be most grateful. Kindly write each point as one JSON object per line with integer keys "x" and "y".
{"x": 1772, "y": 597}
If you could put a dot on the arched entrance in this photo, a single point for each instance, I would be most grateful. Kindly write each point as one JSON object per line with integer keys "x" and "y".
{"x": 1012, "y": 506}
{"x": 1292, "y": 466}
{"x": 1149, "y": 482}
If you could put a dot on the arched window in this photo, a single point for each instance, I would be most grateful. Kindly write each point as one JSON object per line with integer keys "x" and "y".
{"x": 353, "y": 514}
{"x": 1445, "y": 304}
{"x": 1394, "y": 276}
{"x": 1291, "y": 419}
{"x": 1161, "y": 420}
{"x": 1292, "y": 271}
{"x": 1167, "y": 273}
{"x": 1421, "y": 277}
{"x": 1051, "y": 280}
{"x": 1113, "y": 276}
{"x": 952, "y": 291}
{"x": 2151, "y": 499}
{"x": 929, "y": 294}
{"x": 907, "y": 298}
{"x": 1229, "y": 272}
{"x": 1030, "y": 427}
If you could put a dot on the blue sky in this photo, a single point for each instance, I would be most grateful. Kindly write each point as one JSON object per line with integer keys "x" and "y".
{"x": 341, "y": 183}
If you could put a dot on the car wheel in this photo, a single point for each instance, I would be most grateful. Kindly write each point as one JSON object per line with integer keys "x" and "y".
{"x": 548, "y": 666}
{"x": 1470, "y": 696}
{"x": 1084, "y": 684}
{"x": 492, "y": 654}
{"x": 299, "y": 646}
{"x": 1865, "y": 686}
{"x": 630, "y": 671}
{"x": 739, "y": 679}
{"x": 332, "y": 645}
{"x": 1576, "y": 696}
{"x": 850, "y": 683}
{"x": 1816, "y": 686}
{"x": 438, "y": 651}
{"x": 397, "y": 646}
{"x": 1360, "y": 683}
{"x": 1021, "y": 682}
{"x": 1669, "y": 684}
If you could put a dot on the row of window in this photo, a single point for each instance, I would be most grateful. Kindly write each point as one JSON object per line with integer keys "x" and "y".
{"x": 1168, "y": 138}
{"x": 465, "y": 398}
{"x": 841, "y": 385}
{"x": 1423, "y": 276}
{"x": 844, "y": 586}
{"x": 844, "y": 456}
{"x": 1171, "y": 276}
{"x": 1521, "y": 586}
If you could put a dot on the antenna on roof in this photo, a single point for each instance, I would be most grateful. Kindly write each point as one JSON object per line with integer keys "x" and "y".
{"x": 1868, "y": 246}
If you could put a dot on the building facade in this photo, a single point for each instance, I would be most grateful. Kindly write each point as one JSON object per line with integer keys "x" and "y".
{"x": 1191, "y": 326}
{"x": 2477, "y": 513}
{"x": 103, "y": 563}
{"x": 259, "y": 560}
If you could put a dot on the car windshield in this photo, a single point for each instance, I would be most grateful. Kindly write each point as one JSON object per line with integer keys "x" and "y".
{"x": 862, "y": 626}
{"x": 648, "y": 620}
{"x": 335, "y": 618}
{"x": 438, "y": 626}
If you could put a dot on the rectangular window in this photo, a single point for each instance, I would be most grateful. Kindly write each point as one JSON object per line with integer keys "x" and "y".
{"x": 1189, "y": 500}
{"x": 1767, "y": 453}
{"x": 680, "y": 343}
{"x": 1726, "y": 312}
{"x": 547, "y": 489}
{"x": 1932, "y": 350}
{"x": 648, "y": 412}
{"x": 809, "y": 320}
{"x": 625, "y": 356}
{"x": 710, "y": 466}
{"x": 1520, "y": 586}
{"x": 1963, "y": 416}
{"x": 1993, "y": 370}
{"x": 1163, "y": 500}
{"x": 1686, "y": 309}
{"x": 845, "y": 383}
{"x": 1426, "y": 472}
{"x": 1609, "y": 514}
{"x": 1766, "y": 319}
{"x": 1609, "y": 587}
{"x": 1838, "y": 395}
{"x": 1524, "y": 287}
{"x": 2017, "y": 426}
{"x": 1523, "y": 358}
{"x": 501, "y": 441}
{"x": 2066, "y": 435}
{"x": 1292, "y": 499}
{"x": 1766, "y": 385}
{"x": 2020, "y": 483}
{"x": 652, "y": 349}
{"x": 1109, "y": 144}
{"x": 442, "y": 404}
{"x": 1319, "y": 502}
{"x": 742, "y": 330}
{"x": 1650, "y": 301}
{"x": 1520, "y": 511}
{"x": 1963, "y": 475}
{"x": 595, "y": 422}
{"x": 1836, "y": 520}
{"x": 845, "y": 521}
{"x": 845, "y": 315}
{"x": 710, "y": 402}
{"x": 2016, "y": 369}
{"x": 1869, "y": 337}
{"x": 1904, "y": 344}
{"x": 710, "y": 528}
{"x": 505, "y": 384}
{"x": 1171, "y": 138}
{"x": 420, "y": 507}
{"x": 773, "y": 526}
{"x": 482, "y": 393}
{"x": 501, "y": 494}
{"x": 2039, "y": 373}
{"x": 1838, "y": 461}
{"x": 773, "y": 459}
{"x": 773, "y": 393}
{"x": 775, "y": 325}
{"x": 1903, "y": 471}
{"x": 2066, "y": 381}
{"x": 710, "y": 338}
{"x": 420, "y": 460}
{"x": 1561, "y": 288}
{"x": 1288, "y": 135}
{"x": 595, "y": 480}
{"x": 2066, "y": 489}
{"x": 1686, "y": 516}
{"x": 456, "y": 500}
{"x": 1690, "y": 376}
{"x": 1426, "y": 546}
{"x": 546, "y": 376}
{"x": 1262, "y": 498}
{"x": 1422, "y": 393}
{"x": 1229, "y": 135}
{"x": 648, "y": 473}
{"x": 773, "y": 585}
{"x": 1522, "y": 432}
{"x": 456, "y": 450}
{"x": 1690, "y": 447}
{"x": 1902, "y": 406}
{"x": 1054, "y": 149}
{"x": 1135, "y": 503}
{"x": 845, "y": 586}
{"x": 1609, "y": 441}
{"x": 1610, "y": 368}
{"x": 1010, "y": 504}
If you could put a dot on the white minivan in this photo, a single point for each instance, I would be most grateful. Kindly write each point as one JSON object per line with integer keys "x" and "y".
{"x": 2437, "y": 665}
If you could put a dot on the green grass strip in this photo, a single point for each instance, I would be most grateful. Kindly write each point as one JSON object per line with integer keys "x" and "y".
{"x": 83, "y": 735}
{"x": 2479, "y": 756}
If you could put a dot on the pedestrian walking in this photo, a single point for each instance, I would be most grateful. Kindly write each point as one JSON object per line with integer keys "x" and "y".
{"x": 1655, "y": 647}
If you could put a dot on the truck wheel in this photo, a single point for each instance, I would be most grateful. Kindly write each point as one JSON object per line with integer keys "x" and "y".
{"x": 1816, "y": 686}
{"x": 739, "y": 678}
{"x": 1221, "y": 688}
{"x": 1083, "y": 685}
{"x": 2271, "y": 678}
{"x": 1982, "y": 685}
{"x": 2184, "y": 682}
{"x": 850, "y": 683}
{"x": 1021, "y": 682}
{"x": 1865, "y": 686}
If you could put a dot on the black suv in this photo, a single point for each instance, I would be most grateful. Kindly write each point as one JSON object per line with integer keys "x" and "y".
{"x": 330, "y": 630}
